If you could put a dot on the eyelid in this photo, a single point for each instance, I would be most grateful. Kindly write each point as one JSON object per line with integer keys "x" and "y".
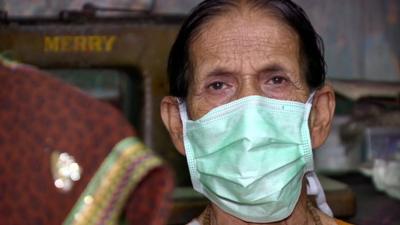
{"x": 269, "y": 77}
{"x": 224, "y": 78}
{"x": 214, "y": 82}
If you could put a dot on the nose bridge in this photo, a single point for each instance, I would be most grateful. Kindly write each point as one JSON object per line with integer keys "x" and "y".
{"x": 249, "y": 86}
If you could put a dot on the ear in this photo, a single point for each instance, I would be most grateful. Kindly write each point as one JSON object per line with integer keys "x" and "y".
{"x": 322, "y": 115}
{"x": 172, "y": 121}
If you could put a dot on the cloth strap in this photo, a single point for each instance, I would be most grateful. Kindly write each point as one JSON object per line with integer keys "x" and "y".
{"x": 314, "y": 188}
{"x": 107, "y": 192}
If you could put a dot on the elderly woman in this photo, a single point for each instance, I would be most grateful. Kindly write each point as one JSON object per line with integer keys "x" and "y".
{"x": 248, "y": 103}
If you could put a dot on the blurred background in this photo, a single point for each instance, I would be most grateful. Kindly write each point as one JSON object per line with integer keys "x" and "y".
{"x": 116, "y": 51}
{"x": 361, "y": 36}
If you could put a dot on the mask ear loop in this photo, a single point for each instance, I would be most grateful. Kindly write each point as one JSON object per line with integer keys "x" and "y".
{"x": 182, "y": 113}
{"x": 311, "y": 98}
{"x": 308, "y": 106}
{"x": 314, "y": 186}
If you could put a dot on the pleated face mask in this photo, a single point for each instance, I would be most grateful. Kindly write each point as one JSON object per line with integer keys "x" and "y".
{"x": 249, "y": 156}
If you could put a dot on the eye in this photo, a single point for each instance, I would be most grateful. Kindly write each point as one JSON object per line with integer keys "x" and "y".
{"x": 277, "y": 80}
{"x": 218, "y": 85}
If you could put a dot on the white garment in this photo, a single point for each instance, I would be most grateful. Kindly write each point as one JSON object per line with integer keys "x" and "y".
{"x": 194, "y": 222}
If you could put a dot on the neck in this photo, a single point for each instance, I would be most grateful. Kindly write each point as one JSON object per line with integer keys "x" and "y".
{"x": 301, "y": 215}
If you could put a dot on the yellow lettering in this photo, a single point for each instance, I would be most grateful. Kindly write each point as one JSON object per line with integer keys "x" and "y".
{"x": 65, "y": 43}
{"x": 109, "y": 43}
{"x": 80, "y": 44}
{"x": 51, "y": 44}
{"x": 94, "y": 44}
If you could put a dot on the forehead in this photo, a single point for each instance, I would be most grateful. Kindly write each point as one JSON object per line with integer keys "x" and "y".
{"x": 244, "y": 34}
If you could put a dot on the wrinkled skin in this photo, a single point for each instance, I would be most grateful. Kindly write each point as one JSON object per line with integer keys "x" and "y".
{"x": 254, "y": 57}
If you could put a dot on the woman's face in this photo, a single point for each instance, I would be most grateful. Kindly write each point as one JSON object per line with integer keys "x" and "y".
{"x": 241, "y": 54}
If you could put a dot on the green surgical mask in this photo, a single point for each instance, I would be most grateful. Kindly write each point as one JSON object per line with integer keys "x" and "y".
{"x": 249, "y": 156}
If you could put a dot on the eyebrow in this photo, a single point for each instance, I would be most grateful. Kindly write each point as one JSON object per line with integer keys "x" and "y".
{"x": 272, "y": 68}
{"x": 221, "y": 71}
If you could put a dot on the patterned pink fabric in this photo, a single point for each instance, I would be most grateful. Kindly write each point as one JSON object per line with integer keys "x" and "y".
{"x": 39, "y": 115}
